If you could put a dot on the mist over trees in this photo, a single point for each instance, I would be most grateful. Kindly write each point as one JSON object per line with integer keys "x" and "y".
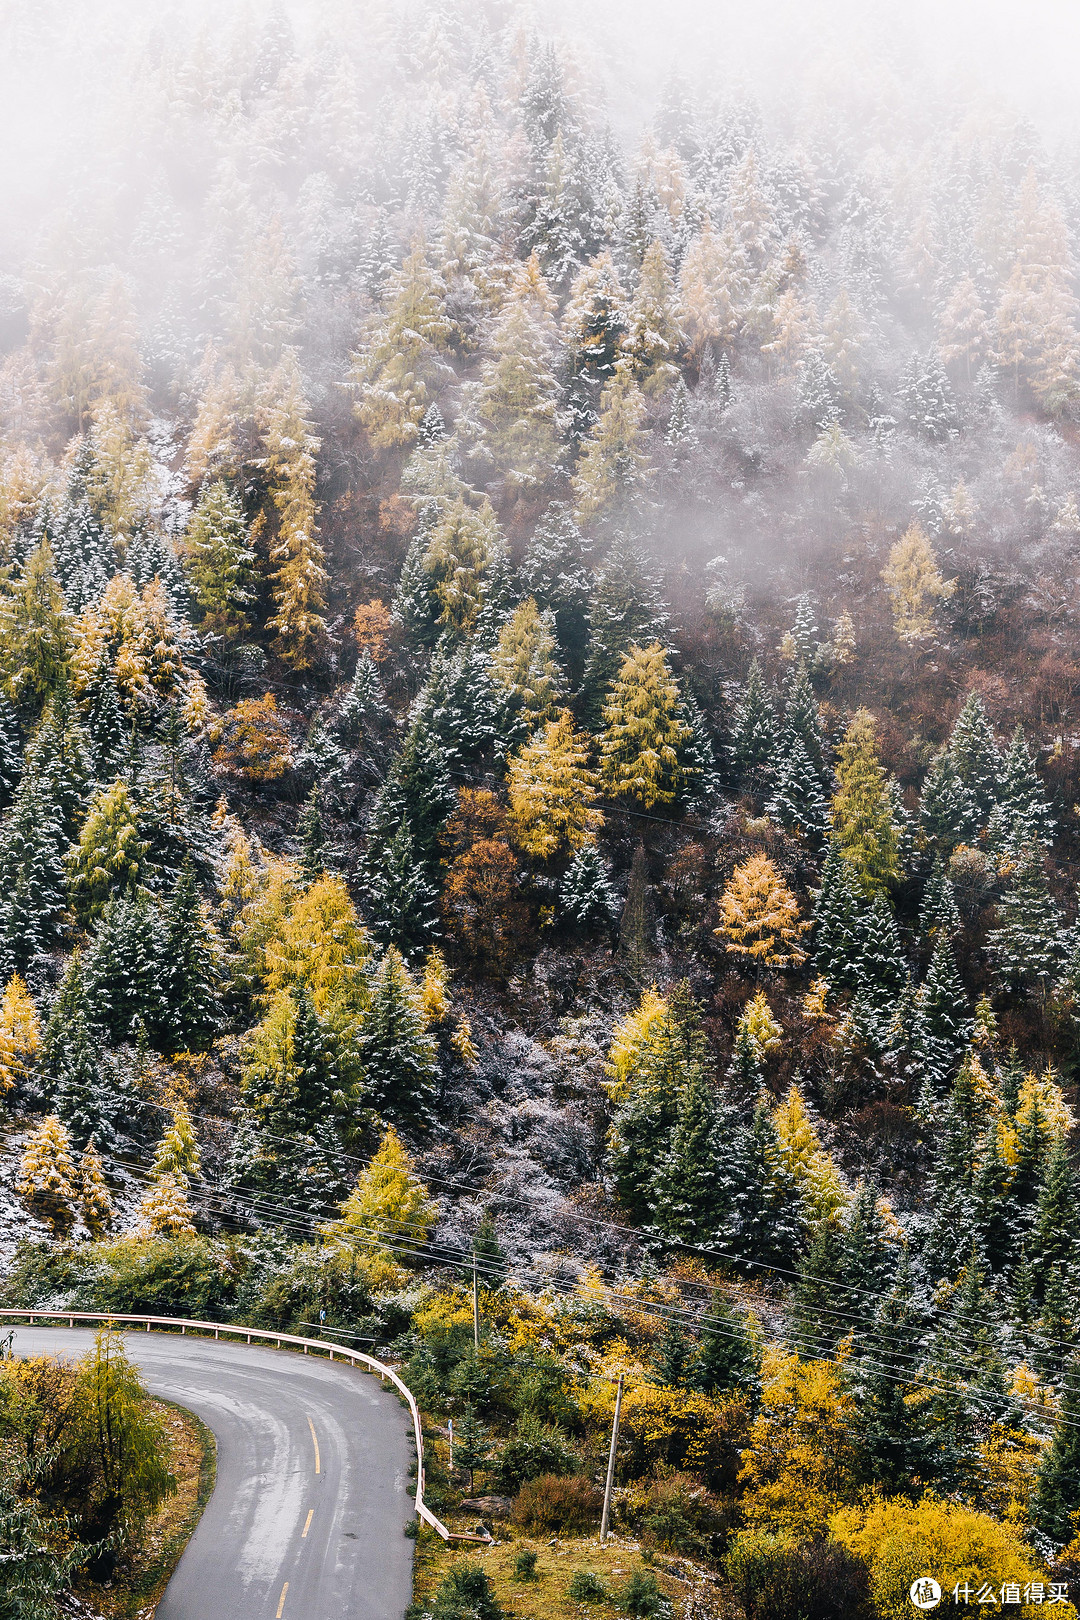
{"x": 539, "y": 668}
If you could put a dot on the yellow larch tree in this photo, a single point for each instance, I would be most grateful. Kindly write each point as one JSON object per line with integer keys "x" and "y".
{"x": 164, "y": 1210}
{"x": 802, "y": 1461}
{"x": 915, "y": 584}
{"x": 654, "y": 337}
{"x": 861, "y": 812}
{"x": 299, "y": 577}
{"x": 805, "y": 1159}
{"x": 707, "y": 287}
{"x": 524, "y": 666}
{"x": 759, "y": 915}
{"x": 395, "y": 373}
{"x": 47, "y": 1180}
{"x": 20, "y": 1033}
{"x": 552, "y": 788}
{"x": 643, "y": 730}
{"x": 629, "y": 1039}
{"x": 95, "y": 1199}
{"x": 613, "y": 465}
{"x": 389, "y": 1207}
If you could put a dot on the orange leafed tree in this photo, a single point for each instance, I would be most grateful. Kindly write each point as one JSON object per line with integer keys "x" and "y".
{"x": 759, "y": 915}
{"x": 253, "y": 740}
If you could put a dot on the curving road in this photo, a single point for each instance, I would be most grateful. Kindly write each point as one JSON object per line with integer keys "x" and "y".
{"x": 307, "y": 1517}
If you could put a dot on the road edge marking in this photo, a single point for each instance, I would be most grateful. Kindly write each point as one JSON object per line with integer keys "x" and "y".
{"x": 315, "y": 1443}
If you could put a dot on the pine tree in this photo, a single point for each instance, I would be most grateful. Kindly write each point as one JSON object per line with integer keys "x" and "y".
{"x": 754, "y": 734}
{"x": 11, "y": 756}
{"x": 1057, "y": 1216}
{"x": 586, "y": 896}
{"x": 938, "y": 914}
{"x": 915, "y": 585}
{"x": 463, "y": 547}
{"x": 797, "y": 801}
{"x": 220, "y": 563}
{"x": 396, "y": 373}
{"x": 553, "y": 571}
{"x": 837, "y": 909}
{"x": 976, "y": 756}
{"x": 105, "y": 720}
{"x": 513, "y": 419}
{"x": 862, "y": 824}
{"x": 552, "y": 792}
{"x": 1057, "y": 1489}
{"x": 819, "y": 1307}
{"x": 927, "y": 397}
{"x": 189, "y": 967}
{"x": 1027, "y": 943}
{"x": 47, "y": 1177}
{"x": 1021, "y": 801}
{"x": 125, "y": 967}
{"x": 472, "y": 1445}
{"x": 397, "y": 1055}
{"x": 402, "y": 901}
{"x": 947, "y": 809}
{"x": 110, "y": 855}
{"x": 670, "y": 1059}
{"x": 417, "y": 791}
{"x": 728, "y": 1357}
{"x": 95, "y": 1200}
{"x": 899, "y": 1446}
{"x": 944, "y": 1022}
{"x": 35, "y": 631}
{"x": 691, "y": 1192}
{"x": 84, "y": 1093}
{"x": 177, "y": 1154}
{"x": 769, "y": 1219}
{"x": 626, "y": 610}
{"x": 312, "y": 837}
{"x": 883, "y": 971}
{"x": 643, "y": 734}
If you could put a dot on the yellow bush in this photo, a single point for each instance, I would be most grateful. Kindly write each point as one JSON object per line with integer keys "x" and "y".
{"x": 901, "y": 1540}
{"x": 801, "y": 1462}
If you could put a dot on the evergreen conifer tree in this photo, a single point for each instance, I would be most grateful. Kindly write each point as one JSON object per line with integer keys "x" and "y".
{"x": 938, "y": 914}
{"x": 397, "y": 1055}
{"x": 312, "y": 837}
{"x": 189, "y": 967}
{"x": 1028, "y": 944}
{"x": 220, "y": 563}
{"x": 754, "y": 734}
{"x": 626, "y": 610}
{"x": 976, "y": 756}
{"x": 768, "y": 1214}
{"x": 177, "y": 1154}
{"x": 797, "y": 801}
{"x": 586, "y": 896}
{"x": 125, "y": 969}
{"x": 727, "y": 1358}
{"x": 1056, "y": 1226}
{"x": 11, "y": 755}
{"x": 402, "y": 900}
{"x": 837, "y": 910}
{"x": 1057, "y": 1490}
{"x": 553, "y": 571}
{"x": 947, "y": 809}
{"x": 1022, "y": 805}
{"x": 95, "y": 1200}
{"x": 691, "y": 1192}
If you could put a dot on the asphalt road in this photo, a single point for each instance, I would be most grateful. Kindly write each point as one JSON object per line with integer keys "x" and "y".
{"x": 307, "y": 1517}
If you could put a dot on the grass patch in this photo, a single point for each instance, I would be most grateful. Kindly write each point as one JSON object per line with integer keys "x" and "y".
{"x": 141, "y": 1575}
{"x": 546, "y": 1595}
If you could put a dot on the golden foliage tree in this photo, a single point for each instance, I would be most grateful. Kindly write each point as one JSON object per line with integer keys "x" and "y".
{"x": 643, "y": 730}
{"x": 177, "y": 1154}
{"x": 629, "y": 1039}
{"x": 299, "y": 577}
{"x": 613, "y": 464}
{"x": 109, "y": 854}
{"x": 395, "y": 374}
{"x": 133, "y": 631}
{"x": 552, "y": 791}
{"x": 523, "y": 663}
{"x": 47, "y": 1179}
{"x": 802, "y": 1461}
{"x": 806, "y": 1161}
{"x": 861, "y": 813}
{"x": 20, "y": 1033}
{"x": 914, "y": 584}
{"x": 759, "y": 915}
{"x": 252, "y": 740}
{"x": 389, "y": 1207}
{"x": 164, "y": 1210}
{"x": 95, "y": 1200}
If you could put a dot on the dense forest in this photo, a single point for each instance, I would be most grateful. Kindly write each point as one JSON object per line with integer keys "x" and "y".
{"x": 540, "y": 722}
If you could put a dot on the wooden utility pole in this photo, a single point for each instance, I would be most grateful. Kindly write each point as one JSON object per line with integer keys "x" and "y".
{"x": 475, "y": 1307}
{"x": 611, "y": 1464}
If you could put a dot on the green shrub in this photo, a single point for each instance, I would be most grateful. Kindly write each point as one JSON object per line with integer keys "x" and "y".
{"x": 465, "y": 1594}
{"x": 587, "y": 1588}
{"x": 774, "y": 1580}
{"x": 525, "y": 1565}
{"x": 533, "y": 1448}
{"x": 642, "y": 1598}
{"x": 557, "y": 1502}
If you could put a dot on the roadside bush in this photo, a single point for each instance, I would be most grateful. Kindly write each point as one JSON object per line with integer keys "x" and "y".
{"x": 557, "y": 1502}
{"x": 465, "y": 1594}
{"x": 676, "y": 1514}
{"x": 585, "y": 1587}
{"x": 676, "y": 1428}
{"x": 191, "y": 1276}
{"x": 534, "y": 1448}
{"x": 776, "y": 1580}
{"x": 642, "y": 1598}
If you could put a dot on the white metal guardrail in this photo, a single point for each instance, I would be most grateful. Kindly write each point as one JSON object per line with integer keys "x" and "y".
{"x": 283, "y": 1341}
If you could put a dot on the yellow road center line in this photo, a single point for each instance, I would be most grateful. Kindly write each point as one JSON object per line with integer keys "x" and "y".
{"x": 307, "y": 1525}
{"x": 315, "y": 1443}
{"x": 281, "y": 1601}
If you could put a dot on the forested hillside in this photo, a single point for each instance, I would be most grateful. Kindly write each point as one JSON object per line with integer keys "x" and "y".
{"x": 540, "y": 667}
